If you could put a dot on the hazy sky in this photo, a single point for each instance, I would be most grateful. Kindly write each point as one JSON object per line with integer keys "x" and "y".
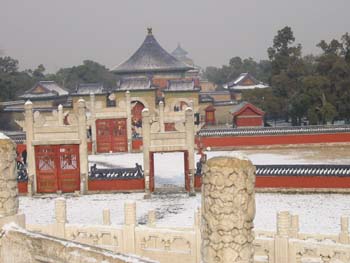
{"x": 63, "y": 33}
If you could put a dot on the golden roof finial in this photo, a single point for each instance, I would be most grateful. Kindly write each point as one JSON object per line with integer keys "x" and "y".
{"x": 149, "y": 30}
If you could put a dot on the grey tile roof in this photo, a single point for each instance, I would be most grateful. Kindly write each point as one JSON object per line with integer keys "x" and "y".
{"x": 44, "y": 89}
{"x": 179, "y": 51}
{"x": 205, "y": 98}
{"x": 135, "y": 83}
{"x": 88, "y": 88}
{"x": 150, "y": 58}
{"x": 181, "y": 85}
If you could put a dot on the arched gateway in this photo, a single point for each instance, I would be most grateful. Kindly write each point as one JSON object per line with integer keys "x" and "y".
{"x": 156, "y": 140}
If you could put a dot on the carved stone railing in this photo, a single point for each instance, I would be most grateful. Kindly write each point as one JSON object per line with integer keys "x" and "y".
{"x": 273, "y": 131}
{"x": 176, "y": 244}
{"x": 115, "y": 173}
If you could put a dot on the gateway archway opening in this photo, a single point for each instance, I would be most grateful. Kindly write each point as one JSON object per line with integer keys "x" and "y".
{"x": 169, "y": 171}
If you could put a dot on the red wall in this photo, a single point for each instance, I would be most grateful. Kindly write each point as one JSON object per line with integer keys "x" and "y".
{"x": 116, "y": 185}
{"x": 136, "y": 144}
{"x": 22, "y": 187}
{"x": 302, "y": 182}
{"x": 198, "y": 182}
{"x": 274, "y": 139}
{"x": 249, "y": 121}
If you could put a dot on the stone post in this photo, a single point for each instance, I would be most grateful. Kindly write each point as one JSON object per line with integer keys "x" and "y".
{"x": 344, "y": 230}
{"x": 228, "y": 210}
{"x": 93, "y": 122}
{"x": 146, "y": 133}
{"x": 197, "y": 230}
{"x": 294, "y": 229}
{"x": 189, "y": 124}
{"x": 152, "y": 218}
{"x": 29, "y": 129}
{"x": 61, "y": 217}
{"x": 106, "y": 217}
{"x": 128, "y": 120}
{"x": 282, "y": 236}
{"x": 83, "y": 151}
{"x": 60, "y": 115}
{"x": 161, "y": 116}
{"x": 129, "y": 227}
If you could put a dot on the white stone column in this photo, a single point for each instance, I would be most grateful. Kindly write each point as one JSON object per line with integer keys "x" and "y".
{"x": 83, "y": 152}
{"x": 344, "y": 230}
{"x": 282, "y": 236}
{"x": 146, "y": 133}
{"x": 151, "y": 218}
{"x": 29, "y": 129}
{"x": 129, "y": 227}
{"x": 60, "y": 115}
{"x": 128, "y": 120}
{"x": 189, "y": 126}
{"x": 93, "y": 123}
{"x": 228, "y": 211}
{"x": 60, "y": 217}
{"x": 8, "y": 183}
{"x": 106, "y": 217}
{"x": 161, "y": 116}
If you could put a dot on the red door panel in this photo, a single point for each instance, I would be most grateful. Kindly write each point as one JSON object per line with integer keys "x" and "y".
{"x": 111, "y": 135}
{"x": 57, "y": 168}
{"x": 69, "y": 175}
{"x": 46, "y": 169}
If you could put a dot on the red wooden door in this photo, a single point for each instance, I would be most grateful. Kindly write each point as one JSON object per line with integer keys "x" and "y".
{"x": 69, "y": 168}
{"x": 111, "y": 135}
{"x": 57, "y": 168}
{"x": 119, "y": 136}
{"x": 46, "y": 169}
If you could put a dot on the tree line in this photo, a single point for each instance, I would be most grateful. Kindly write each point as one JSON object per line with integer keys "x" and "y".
{"x": 316, "y": 88}
{"x": 14, "y": 82}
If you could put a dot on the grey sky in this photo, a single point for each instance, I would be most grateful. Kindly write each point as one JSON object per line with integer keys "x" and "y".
{"x": 61, "y": 33}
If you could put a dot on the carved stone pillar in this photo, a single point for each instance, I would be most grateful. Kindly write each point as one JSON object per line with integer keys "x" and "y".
{"x": 344, "y": 230}
{"x": 128, "y": 120}
{"x": 228, "y": 210}
{"x": 29, "y": 129}
{"x": 106, "y": 217}
{"x": 83, "y": 151}
{"x": 61, "y": 217}
{"x": 129, "y": 227}
{"x": 282, "y": 236}
{"x": 60, "y": 115}
{"x": 93, "y": 123}
{"x": 152, "y": 218}
{"x": 189, "y": 124}
{"x": 161, "y": 116}
{"x": 146, "y": 132}
{"x": 8, "y": 183}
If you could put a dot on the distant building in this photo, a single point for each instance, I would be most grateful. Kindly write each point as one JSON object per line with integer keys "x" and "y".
{"x": 245, "y": 81}
{"x": 247, "y": 115}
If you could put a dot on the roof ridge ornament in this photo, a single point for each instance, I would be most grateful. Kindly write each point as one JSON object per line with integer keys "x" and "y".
{"x": 149, "y": 30}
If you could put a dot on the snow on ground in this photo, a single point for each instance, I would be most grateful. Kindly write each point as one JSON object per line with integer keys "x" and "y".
{"x": 319, "y": 213}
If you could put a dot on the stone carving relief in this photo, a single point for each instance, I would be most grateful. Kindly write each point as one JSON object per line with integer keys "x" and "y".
{"x": 156, "y": 243}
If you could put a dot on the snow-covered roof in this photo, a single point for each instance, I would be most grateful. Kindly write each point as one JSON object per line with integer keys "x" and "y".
{"x": 88, "y": 88}
{"x": 245, "y": 81}
{"x": 134, "y": 83}
{"x": 181, "y": 85}
{"x": 45, "y": 89}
